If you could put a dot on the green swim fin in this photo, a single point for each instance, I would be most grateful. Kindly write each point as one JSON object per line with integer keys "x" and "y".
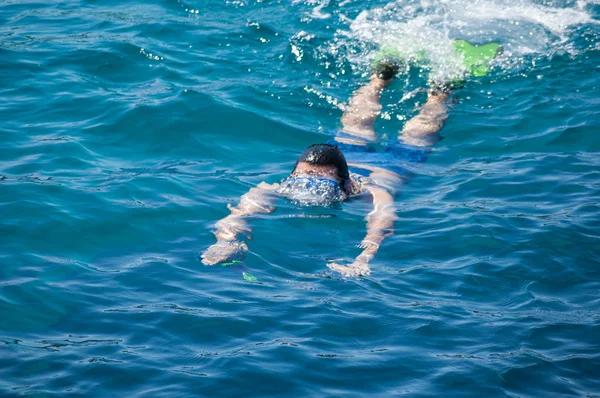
{"x": 388, "y": 60}
{"x": 395, "y": 55}
{"x": 388, "y": 54}
{"x": 386, "y": 63}
{"x": 477, "y": 59}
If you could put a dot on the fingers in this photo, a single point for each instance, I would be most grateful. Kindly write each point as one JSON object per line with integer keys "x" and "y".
{"x": 339, "y": 268}
{"x": 209, "y": 258}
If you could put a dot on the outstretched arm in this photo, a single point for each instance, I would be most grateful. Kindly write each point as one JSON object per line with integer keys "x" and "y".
{"x": 380, "y": 222}
{"x": 257, "y": 201}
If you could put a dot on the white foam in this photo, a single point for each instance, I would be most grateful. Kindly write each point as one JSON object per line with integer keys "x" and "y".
{"x": 428, "y": 27}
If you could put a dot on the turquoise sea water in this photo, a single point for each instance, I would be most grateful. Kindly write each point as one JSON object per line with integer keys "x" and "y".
{"x": 128, "y": 126}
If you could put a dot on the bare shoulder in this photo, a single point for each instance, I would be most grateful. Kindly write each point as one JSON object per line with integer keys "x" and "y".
{"x": 359, "y": 184}
{"x": 380, "y": 178}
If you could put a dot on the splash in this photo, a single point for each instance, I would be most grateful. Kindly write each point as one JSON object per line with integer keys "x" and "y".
{"x": 427, "y": 29}
{"x": 312, "y": 191}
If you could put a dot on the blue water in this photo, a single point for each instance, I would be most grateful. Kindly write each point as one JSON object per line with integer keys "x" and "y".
{"x": 128, "y": 126}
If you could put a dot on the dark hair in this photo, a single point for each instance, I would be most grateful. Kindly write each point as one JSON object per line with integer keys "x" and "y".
{"x": 326, "y": 155}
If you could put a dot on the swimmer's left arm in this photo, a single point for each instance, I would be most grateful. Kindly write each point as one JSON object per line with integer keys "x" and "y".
{"x": 380, "y": 222}
{"x": 257, "y": 200}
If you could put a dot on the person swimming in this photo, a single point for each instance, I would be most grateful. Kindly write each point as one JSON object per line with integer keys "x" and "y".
{"x": 321, "y": 174}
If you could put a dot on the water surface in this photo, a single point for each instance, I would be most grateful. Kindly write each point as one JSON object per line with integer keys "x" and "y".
{"x": 127, "y": 127}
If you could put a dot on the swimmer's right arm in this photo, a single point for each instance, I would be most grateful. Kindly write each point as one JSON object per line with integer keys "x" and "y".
{"x": 258, "y": 200}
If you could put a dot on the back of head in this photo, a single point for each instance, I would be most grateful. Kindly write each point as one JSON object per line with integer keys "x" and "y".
{"x": 326, "y": 155}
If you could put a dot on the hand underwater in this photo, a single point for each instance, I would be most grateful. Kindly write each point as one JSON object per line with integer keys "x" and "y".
{"x": 223, "y": 251}
{"x": 357, "y": 268}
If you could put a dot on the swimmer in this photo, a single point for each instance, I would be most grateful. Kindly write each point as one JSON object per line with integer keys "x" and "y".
{"x": 321, "y": 174}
